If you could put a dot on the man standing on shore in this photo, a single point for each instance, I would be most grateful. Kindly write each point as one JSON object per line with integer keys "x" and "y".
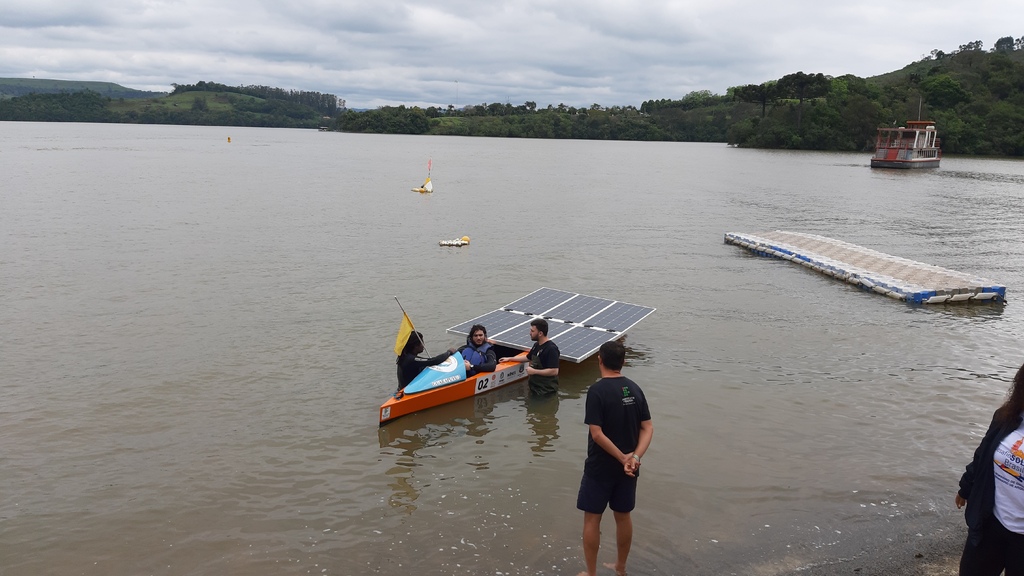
{"x": 543, "y": 359}
{"x": 620, "y": 433}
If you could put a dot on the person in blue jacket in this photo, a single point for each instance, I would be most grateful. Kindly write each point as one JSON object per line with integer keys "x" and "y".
{"x": 992, "y": 487}
{"x": 478, "y": 353}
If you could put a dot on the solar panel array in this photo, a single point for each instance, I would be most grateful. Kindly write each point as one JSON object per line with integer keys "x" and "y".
{"x": 578, "y": 324}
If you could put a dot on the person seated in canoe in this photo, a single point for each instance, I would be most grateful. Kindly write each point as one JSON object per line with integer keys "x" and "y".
{"x": 410, "y": 365}
{"x": 478, "y": 353}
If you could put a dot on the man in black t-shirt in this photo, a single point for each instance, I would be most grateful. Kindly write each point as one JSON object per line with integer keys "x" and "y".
{"x": 620, "y": 433}
{"x": 543, "y": 359}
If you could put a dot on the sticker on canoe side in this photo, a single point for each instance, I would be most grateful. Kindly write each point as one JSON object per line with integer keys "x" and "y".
{"x": 493, "y": 380}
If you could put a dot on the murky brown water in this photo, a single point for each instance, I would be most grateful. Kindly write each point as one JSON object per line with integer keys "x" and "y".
{"x": 197, "y": 335}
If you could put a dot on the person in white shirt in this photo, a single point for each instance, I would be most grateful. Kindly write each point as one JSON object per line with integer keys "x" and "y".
{"x": 992, "y": 487}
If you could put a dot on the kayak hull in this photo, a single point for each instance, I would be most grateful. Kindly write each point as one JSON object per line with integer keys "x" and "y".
{"x": 404, "y": 404}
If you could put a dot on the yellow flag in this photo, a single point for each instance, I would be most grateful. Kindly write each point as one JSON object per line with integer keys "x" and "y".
{"x": 403, "y": 334}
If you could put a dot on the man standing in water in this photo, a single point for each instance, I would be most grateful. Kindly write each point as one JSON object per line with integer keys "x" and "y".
{"x": 620, "y": 433}
{"x": 543, "y": 359}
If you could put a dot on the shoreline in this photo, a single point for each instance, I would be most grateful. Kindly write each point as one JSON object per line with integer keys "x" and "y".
{"x": 926, "y": 544}
{"x": 933, "y": 553}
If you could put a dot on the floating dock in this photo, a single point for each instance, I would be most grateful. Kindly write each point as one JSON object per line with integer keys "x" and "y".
{"x": 899, "y": 278}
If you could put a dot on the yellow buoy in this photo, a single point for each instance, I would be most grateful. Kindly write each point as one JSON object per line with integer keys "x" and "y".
{"x": 465, "y": 239}
{"x": 229, "y": 139}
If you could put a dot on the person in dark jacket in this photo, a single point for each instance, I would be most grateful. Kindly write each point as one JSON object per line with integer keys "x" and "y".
{"x": 409, "y": 365}
{"x": 478, "y": 352}
{"x": 992, "y": 487}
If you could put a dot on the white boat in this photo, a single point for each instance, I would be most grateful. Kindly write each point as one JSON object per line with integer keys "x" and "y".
{"x": 914, "y": 146}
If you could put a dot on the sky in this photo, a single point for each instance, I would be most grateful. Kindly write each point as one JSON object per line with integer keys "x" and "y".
{"x": 463, "y": 52}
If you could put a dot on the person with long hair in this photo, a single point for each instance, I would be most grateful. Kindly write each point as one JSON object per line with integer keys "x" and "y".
{"x": 992, "y": 487}
{"x": 409, "y": 363}
{"x": 478, "y": 353}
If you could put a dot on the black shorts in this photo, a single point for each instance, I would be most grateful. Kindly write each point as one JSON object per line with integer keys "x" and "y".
{"x": 619, "y": 494}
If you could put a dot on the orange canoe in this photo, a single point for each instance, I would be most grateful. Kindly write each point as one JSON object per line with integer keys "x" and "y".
{"x": 402, "y": 404}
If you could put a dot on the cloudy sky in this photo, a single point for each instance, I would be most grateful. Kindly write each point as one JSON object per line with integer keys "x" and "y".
{"x": 440, "y": 52}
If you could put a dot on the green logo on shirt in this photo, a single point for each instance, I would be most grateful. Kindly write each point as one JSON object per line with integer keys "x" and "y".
{"x": 625, "y": 391}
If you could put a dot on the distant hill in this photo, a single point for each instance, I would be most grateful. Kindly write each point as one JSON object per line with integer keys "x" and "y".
{"x": 929, "y": 65}
{"x": 14, "y": 87}
{"x": 204, "y": 103}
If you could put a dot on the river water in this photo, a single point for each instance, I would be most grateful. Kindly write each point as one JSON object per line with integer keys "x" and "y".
{"x": 197, "y": 336}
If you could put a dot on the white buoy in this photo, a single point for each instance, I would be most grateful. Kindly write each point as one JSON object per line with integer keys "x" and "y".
{"x": 456, "y": 242}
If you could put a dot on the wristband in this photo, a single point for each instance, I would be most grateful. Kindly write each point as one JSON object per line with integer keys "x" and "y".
{"x": 635, "y": 457}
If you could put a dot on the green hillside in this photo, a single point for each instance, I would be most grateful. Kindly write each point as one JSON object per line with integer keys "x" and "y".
{"x": 923, "y": 67}
{"x": 14, "y": 87}
{"x": 203, "y": 103}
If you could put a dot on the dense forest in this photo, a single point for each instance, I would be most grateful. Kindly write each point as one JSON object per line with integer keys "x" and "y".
{"x": 204, "y": 103}
{"x": 976, "y": 97}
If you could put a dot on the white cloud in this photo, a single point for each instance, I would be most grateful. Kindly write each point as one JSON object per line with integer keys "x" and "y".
{"x": 432, "y": 52}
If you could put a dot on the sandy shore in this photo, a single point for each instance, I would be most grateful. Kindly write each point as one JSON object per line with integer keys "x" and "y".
{"x": 932, "y": 554}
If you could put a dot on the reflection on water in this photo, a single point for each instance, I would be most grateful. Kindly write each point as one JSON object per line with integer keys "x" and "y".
{"x": 980, "y": 311}
{"x": 466, "y": 417}
{"x": 541, "y": 415}
{"x": 403, "y": 494}
{"x": 982, "y": 176}
{"x": 483, "y": 404}
{"x": 414, "y": 437}
{"x": 637, "y": 354}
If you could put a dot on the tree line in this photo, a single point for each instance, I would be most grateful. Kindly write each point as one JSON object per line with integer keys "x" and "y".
{"x": 326, "y": 104}
{"x": 85, "y": 106}
{"x": 975, "y": 96}
{"x": 88, "y": 106}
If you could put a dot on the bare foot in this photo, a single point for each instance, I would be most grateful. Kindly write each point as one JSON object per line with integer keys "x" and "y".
{"x": 619, "y": 571}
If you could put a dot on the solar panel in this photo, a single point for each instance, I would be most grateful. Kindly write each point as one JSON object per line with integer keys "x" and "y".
{"x": 520, "y": 337}
{"x": 581, "y": 343}
{"x": 580, "y": 308}
{"x": 578, "y": 324}
{"x": 496, "y": 322}
{"x": 540, "y": 301}
{"x": 620, "y": 317}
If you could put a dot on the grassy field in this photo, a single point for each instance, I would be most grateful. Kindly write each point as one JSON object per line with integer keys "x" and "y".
{"x": 215, "y": 102}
